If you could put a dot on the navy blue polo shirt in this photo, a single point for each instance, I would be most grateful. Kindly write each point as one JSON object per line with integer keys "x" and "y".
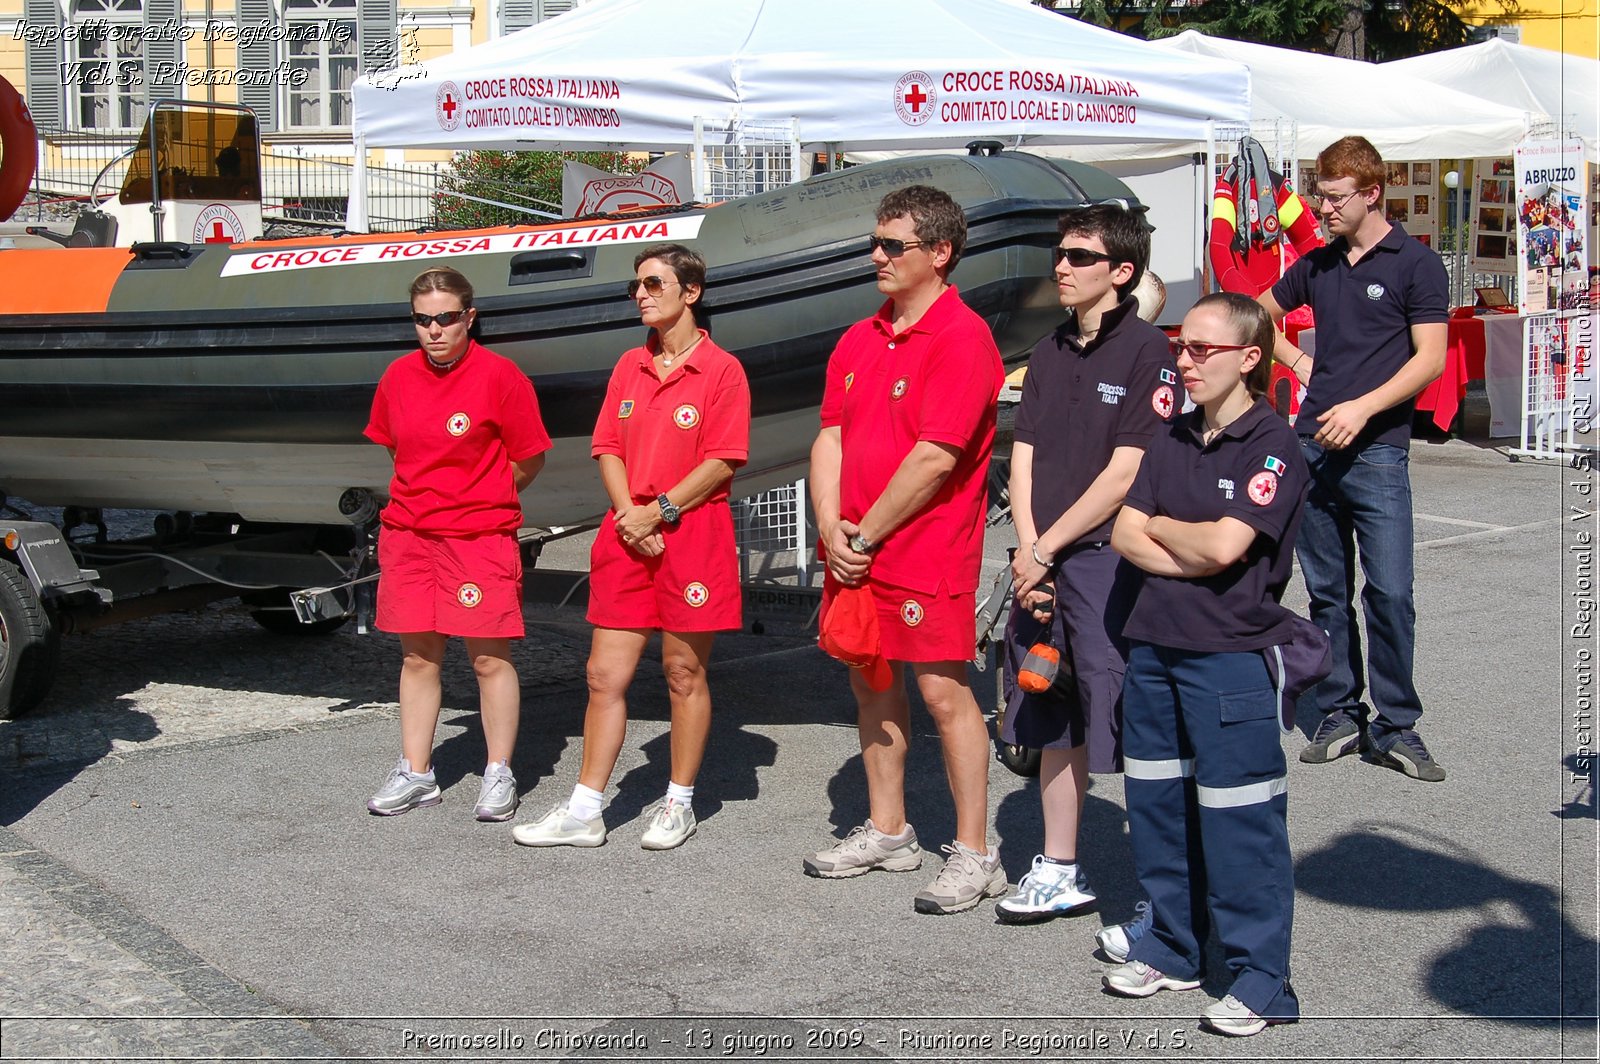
{"x": 1364, "y": 315}
{"x": 1253, "y": 471}
{"x": 1082, "y": 401}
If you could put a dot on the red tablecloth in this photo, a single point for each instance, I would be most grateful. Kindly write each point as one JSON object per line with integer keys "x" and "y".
{"x": 1463, "y": 361}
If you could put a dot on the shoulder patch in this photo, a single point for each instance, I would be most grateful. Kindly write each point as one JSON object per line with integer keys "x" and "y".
{"x": 1162, "y": 400}
{"x": 1263, "y": 488}
{"x": 1276, "y": 465}
{"x": 1168, "y": 377}
{"x": 625, "y": 409}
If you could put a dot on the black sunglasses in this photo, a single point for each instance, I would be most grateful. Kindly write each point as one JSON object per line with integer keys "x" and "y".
{"x": 1081, "y": 257}
{"x": 652, "y": 285}
{"x": 1199, "y": 351}
{"x": 445, "y": 320}
{"x": 890, "y": 246}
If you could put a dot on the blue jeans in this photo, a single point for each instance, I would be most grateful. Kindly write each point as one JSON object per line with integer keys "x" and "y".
{"x": 1360, "y": 501}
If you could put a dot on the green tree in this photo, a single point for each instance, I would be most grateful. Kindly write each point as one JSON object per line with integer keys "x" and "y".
{"x": 1377, "y": 30}
{"x": 526, "y": 179}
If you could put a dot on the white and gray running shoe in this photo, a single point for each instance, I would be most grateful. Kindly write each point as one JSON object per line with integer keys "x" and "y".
{"x": 404, "y": 791}
{"x": 497, "y": 798}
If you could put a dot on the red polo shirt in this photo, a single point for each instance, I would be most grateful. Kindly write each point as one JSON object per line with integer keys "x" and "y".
{"x": 938, "y": 380}
{"x": 455, "y": 433}
{"x": 662, "y": 429}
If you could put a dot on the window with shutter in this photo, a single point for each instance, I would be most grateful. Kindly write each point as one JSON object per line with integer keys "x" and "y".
{"x": 321, "y": 49}
{"x": 380, "y": 35}
{"x": 163, "y": 51}
{"x": 43, "y": 60}
{"x": 106, "y": 72}
{"x": 257, "y": 57}
{"x": 518, "y": 15}
{"x": 549, "y": 9}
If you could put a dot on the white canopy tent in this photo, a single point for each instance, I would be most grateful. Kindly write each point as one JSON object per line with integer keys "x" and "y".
{"x": 1405, "y": 117}
{"x": 847, "y": 74}
{"x": 1562, "y": 88}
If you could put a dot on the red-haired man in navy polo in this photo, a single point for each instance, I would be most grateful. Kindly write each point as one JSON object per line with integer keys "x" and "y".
{"x": 1381, "y": 303}
{"x": 899, "y": 479}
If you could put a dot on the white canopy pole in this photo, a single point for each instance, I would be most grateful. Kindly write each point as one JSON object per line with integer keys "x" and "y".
{"x": 355, "y": 218}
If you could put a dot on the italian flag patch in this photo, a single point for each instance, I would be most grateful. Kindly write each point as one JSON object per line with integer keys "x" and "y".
{"x": 1276, "y": 465}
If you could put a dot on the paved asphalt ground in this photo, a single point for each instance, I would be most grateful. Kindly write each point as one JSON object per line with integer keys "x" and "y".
{"x": 187, "y": 869}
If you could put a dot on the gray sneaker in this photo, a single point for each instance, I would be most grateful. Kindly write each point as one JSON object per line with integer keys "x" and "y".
{"x": 497, "y": 798}
{"x": 1405, "y": 752}
{"x": 671, "y": 824}
{"x": 965, "y": 880}
{"x": 404, "y": 791}
{"x": 1335, "y": 737}
{"x": 560, "y": 828}
{"x": 864, "y": 849}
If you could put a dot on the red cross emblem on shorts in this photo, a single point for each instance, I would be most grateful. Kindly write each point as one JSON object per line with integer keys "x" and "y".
{"x": 696, "y": 594}
{"x": 1263, "y": 488}
{"x": 458, "y": 424}
{"x": 686, "y": 416}
{"x": 1162, "y": 400}
{"x": 469, "y": 595}
{"x": 911, "y": 612}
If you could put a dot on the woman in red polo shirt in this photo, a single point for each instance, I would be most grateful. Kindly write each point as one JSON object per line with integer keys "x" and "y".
{"x": 462, "y": 424}
{"x": 674, "y": 427}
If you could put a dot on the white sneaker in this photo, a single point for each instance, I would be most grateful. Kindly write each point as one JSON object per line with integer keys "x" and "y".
{"x": 1232, "y": 1017}
{"x": 1118, "y": 939}
{"x": 560, "y": 828}
{"x": 404, "y": 790}
{"x": 670, "y": 826}
{"x": 497, "y": 798}
{"x": 1138, "y": 979}
{"x": 1044, "y": 892}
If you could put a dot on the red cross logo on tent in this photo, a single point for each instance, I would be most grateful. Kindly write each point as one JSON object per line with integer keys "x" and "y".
{"x": 696, "y": 594}
{"x": 458, "y": 424}
{"x": 447, "y": 105}
{"x": 686, "y": 416}
{"x": 1162, "y": 400}
{"x": 914, "y": 98}
{"x": 469, "y": 595}
{"x": 911, "y": 612}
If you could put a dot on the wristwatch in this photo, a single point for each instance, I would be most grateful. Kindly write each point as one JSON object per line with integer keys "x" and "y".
{"x": 669, "y": 513}
{"x": 860, "y": 545}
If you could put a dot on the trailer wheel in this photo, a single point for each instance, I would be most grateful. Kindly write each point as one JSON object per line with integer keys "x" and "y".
{"x": 29, "y": 645}
{"x": 272, "y": 611}
{"x": 1023, "y": 760}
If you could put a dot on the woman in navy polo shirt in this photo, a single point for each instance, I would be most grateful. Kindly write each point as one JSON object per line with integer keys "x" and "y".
{"x": 1211, "y": 520}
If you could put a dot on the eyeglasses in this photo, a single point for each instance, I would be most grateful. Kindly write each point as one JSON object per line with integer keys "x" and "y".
{"x": 1318, "y": 199}
{"x": 652, "y": 285}
{"x": 445, "y": 320}
{"x": 891, "y": 247}
{"x": 1081, "y": 257}
{"x": 1199, "y": 351}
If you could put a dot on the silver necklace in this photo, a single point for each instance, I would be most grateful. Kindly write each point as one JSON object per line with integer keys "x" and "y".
{"x": 667, "y": 360}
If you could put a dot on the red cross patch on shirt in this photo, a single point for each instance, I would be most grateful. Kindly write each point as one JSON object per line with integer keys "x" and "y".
{"x": 686, "y": 416}
{"x": 458, "y": 424}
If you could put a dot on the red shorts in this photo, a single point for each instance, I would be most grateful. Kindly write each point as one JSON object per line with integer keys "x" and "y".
{"x": 920, "y": 625}
{"x": 466, "y": 586}
{"x": 692, "y": 586}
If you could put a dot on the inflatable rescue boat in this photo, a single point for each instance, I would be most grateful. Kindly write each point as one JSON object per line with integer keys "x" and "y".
{"x": 194, "y": 371}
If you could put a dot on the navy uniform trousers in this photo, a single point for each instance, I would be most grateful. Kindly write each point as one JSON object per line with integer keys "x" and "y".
{"x": 1208, "y": 823}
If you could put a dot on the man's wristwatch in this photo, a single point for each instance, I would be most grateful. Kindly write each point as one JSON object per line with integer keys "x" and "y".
{"x": 860, "y": 545}
{"x": 670, "y": 514}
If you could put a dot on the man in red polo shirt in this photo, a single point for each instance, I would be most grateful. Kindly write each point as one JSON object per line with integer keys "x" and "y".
{"x": 899, "y": 484}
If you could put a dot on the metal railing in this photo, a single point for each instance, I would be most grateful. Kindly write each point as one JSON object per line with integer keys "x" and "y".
{"x": 298, "y": 183}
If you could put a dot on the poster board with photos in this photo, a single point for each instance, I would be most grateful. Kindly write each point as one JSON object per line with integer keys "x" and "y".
{"x": 1411, "y": 197}
{"x": 1492, "y": 221}
{"x": 1551, "y": 218}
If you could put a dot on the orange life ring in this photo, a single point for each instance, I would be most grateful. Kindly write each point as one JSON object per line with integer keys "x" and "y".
{"x": 19, "y": 149}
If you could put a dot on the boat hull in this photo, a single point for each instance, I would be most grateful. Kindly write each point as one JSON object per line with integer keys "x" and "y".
{"x": 206, "y": 378}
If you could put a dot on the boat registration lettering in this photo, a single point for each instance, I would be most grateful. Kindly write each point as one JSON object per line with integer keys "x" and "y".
{"x": 258, "y": 262}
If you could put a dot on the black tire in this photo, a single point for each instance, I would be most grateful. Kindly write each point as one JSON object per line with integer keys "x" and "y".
{"x": 272, "y": 611}
{"x": 29, "y": 645}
